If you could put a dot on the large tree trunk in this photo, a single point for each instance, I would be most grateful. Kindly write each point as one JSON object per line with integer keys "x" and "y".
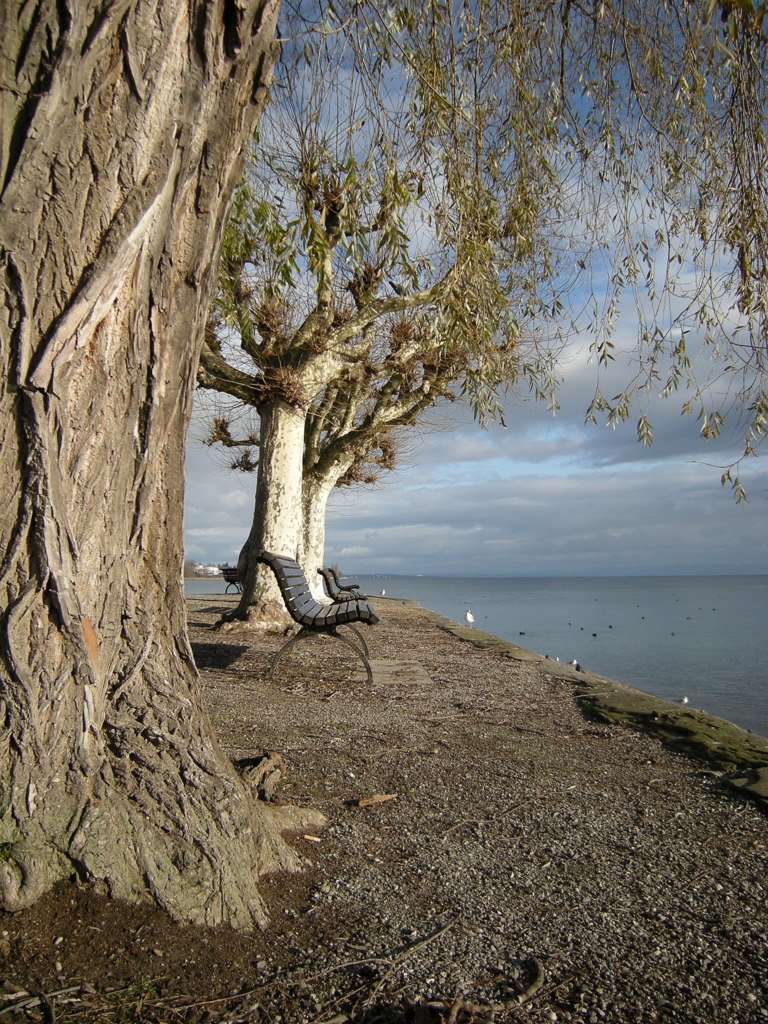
{"x": 122, "y": 128}
{"x": 277, "y": 511}
{"x": 317, "y": 490}
{"x": 315, "y": 502}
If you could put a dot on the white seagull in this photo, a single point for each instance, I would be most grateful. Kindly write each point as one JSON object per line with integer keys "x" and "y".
{"x": 469, "y": 618}
{"x": 383, "y": 593}
{"x": 683, "y": 700}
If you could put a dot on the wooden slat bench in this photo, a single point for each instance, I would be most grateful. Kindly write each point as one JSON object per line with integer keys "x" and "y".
{"x": 336, "y": 588}
{"x": 342, "y": 584}
{"x": 314, "y": 617}
{"x": 232, "y": 577}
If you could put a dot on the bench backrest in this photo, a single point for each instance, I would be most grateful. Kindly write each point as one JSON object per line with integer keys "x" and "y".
{"x": 333, "y": 590}
{"x": 302, "y": 606}
{"x": 340, "y": 581}
{"x": 293, "y": 584}
{"x": 230, "y": 574}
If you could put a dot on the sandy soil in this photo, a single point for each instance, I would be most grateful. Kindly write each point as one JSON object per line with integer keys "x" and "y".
{"x": 530, "y": 862}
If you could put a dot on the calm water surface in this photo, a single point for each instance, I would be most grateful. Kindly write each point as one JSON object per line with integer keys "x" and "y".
{"x": 703, "y": 637}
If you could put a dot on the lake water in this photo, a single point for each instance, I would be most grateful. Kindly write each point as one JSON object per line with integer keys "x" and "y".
{"x": 704, "y": 637}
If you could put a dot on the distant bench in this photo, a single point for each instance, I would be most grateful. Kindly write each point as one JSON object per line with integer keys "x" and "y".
{"x": 336, "y": 587}
{"x": 232, "y": 577}
{"x": 314, "y": 617}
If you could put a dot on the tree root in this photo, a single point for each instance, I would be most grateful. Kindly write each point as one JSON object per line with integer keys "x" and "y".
{"x": 461, "y": 1009}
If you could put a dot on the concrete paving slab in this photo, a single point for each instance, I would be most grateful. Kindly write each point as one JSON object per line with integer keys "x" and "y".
{"x": 398, "y": 672}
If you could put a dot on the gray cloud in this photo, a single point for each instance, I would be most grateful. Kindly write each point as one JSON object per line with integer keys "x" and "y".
{"x": 670, "y": 519}
{"x": 544, "y": 496}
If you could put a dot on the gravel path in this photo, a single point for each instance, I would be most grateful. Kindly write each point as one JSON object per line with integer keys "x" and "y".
{"x": 529, "y": 864}
{"x": 527, "y": 846}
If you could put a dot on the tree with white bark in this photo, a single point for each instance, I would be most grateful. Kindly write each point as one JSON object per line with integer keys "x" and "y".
{"x": 355, "y": 430}
{"x": 517, "y": 159}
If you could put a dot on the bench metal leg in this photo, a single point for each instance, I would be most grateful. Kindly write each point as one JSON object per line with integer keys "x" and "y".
{"x": 286, "y": 646}
{"x": 360, "y": 637}
{"x": 362, "y": 653}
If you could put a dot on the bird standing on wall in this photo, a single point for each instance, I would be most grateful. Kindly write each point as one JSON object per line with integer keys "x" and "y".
{"x": 469, "y": 618}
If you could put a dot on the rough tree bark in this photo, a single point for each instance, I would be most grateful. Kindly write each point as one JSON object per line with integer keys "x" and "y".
{"x": 122, "y": 127}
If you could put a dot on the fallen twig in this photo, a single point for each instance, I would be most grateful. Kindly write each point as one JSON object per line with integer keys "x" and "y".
{"x": 407, "y": 954}
{"x": 481, "y": 821}
{"x": 195, "y": 1004}
{"x": 474, "y": 1009}
{"x": 341, "y": 967}
{"x": 28, "y": 1001}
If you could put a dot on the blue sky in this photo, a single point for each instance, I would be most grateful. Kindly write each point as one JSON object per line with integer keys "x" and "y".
{"x": 544, "y": 497}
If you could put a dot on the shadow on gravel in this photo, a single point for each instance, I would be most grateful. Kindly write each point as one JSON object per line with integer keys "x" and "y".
{"x": 211, "y": 609}
{"x": 217, "y": 655}
{"x": 384, "y": 1013}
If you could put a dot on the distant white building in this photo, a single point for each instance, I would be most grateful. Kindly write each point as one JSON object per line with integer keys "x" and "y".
{"x": 208, "y": 570}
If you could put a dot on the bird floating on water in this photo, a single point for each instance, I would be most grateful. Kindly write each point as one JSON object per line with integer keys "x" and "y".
{"x": 469, "y": 618}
